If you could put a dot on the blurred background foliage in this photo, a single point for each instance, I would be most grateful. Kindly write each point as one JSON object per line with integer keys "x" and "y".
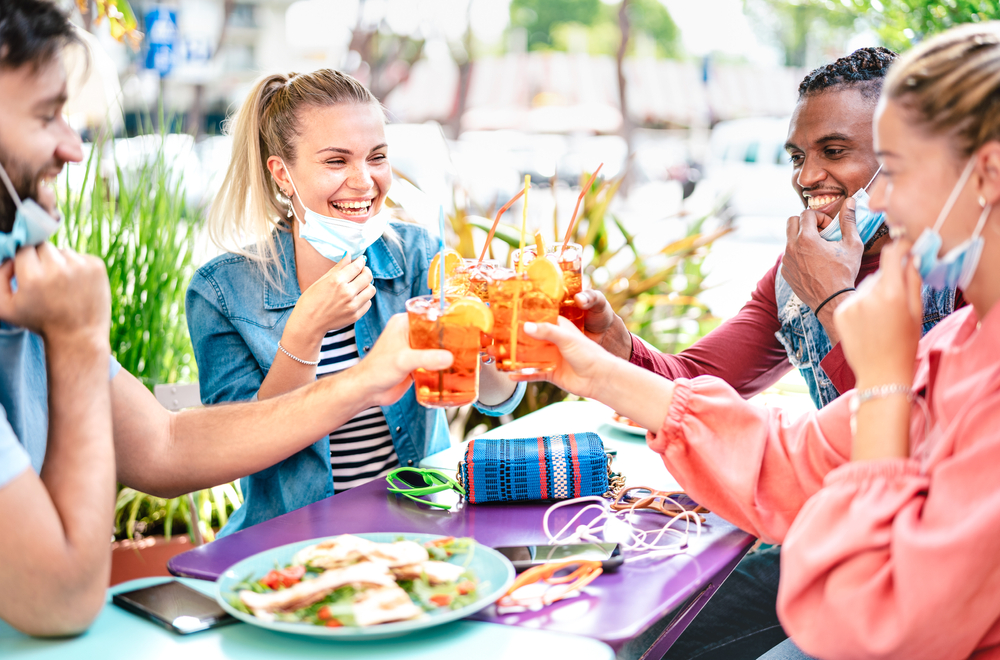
{"x": 899, "y": 24}
{"x": 138, "y": 514}
{"x": 593, "y": 26}
{"x": 902, "y": 23}
{"x": 134, "y": 216}
{"x": 137, "y": 221}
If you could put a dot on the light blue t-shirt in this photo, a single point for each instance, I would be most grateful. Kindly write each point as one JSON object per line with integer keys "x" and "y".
{"x": 24, "y": 401}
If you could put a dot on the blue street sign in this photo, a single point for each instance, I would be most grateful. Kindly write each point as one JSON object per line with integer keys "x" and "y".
{"x": 161, "y": 39}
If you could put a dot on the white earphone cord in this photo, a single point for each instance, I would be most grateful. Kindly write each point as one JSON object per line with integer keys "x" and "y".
{"x": 637, "y": 545}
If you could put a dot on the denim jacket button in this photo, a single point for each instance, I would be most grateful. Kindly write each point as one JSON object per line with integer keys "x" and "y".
{"x": 409, "y": 462}
{"x": 398, "y": 429}
{"x": 367, "y": 348}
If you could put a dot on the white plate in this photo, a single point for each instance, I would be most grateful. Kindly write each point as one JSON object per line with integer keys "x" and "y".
{"x": 494, "y": 572}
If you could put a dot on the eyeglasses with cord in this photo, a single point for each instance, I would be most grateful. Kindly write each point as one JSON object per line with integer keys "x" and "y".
{"x": 669, "y": 503}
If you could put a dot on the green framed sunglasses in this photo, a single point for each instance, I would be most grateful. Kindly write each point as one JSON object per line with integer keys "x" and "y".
{"x": 435, "y": 481}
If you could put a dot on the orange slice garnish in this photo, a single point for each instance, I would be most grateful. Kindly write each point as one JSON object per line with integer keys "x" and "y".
{"x": 547, "y": 278}
{"x": 452, "y": 260}
{"x": 470, "y": 311}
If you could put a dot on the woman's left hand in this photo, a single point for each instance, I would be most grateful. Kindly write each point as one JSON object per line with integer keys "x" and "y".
{"x": 879, "y": 326}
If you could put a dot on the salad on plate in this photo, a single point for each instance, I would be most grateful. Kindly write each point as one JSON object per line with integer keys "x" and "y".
{"x": 353, "y": 581}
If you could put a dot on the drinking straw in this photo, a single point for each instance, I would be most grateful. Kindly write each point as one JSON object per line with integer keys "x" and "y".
{"x": 439, "y": 322}
{"x": 520, "y": 271}
{"x": 583, "y": 193}
{"x": 441, "y": 253}
{"x": 493, "y": 229}
{"x": 524, "y": 223}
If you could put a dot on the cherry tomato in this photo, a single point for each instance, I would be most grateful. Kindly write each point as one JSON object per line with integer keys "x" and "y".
{"x": 441, "y": 542}
{"x": 324, "y": 614}
{"x": 285, "y": 577}
{"x": 465, "y": 587}
{"x": 333, "y": 623}
{"x": 441, "y": 599}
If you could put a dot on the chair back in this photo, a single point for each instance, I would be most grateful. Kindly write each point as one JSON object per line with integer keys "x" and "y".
{"x": 178, "y": 396}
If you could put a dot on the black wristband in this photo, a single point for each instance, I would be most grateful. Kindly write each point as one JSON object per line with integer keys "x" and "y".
{"x": 831, "y": 297}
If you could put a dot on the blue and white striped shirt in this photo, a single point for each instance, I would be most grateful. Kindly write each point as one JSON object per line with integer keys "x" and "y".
{"x": 361, "y": 449}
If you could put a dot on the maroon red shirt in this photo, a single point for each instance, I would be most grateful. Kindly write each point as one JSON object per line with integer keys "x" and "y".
{"x": 744, "y": 351}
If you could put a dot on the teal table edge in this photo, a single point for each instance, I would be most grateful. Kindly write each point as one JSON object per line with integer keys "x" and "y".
{"x": 118, "y": 633}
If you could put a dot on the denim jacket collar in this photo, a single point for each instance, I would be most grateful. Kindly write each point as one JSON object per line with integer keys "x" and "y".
{"x": 285, "y": 292}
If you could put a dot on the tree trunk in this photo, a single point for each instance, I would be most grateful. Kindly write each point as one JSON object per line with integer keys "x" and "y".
{"x": 464, "y": 77}
{"x": 626, "y": 127}
{"x": 196, "y": 115}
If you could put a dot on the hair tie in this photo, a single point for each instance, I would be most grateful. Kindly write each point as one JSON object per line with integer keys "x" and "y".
{"x": 831, "y": 297}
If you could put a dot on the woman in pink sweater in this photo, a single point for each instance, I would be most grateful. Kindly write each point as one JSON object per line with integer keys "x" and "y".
{"x": 887, "y": 500}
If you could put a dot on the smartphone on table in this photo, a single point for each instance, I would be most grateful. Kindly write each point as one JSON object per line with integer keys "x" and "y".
{"x": 175, "y": 606}
{"x": 525, "y": 556}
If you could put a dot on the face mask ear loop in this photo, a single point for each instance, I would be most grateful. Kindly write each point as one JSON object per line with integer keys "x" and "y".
{"x": 953, "y": 197}
{"x": 295, "y": 191}
{"x": 872, "y": 180}
{"x": 982, "y": 221}
{"x": 10, "y": 187}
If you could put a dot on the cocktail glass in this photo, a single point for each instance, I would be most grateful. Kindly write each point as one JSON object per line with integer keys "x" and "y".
{"x": 514, "y": 299}
{"x": 570, "y": 262}
{"x": 473, "y": 277}
{"x": 456, "y": 330}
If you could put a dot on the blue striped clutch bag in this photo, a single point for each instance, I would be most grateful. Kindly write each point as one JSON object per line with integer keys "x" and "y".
{"x": 553, "y": 467}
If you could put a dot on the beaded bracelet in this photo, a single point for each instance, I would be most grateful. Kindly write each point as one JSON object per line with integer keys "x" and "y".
{"x": 879, "y": 392}
{"x": 297, "y": 359}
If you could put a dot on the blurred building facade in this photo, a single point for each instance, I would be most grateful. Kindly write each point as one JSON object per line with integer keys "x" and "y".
{"x": 218, "y": 47}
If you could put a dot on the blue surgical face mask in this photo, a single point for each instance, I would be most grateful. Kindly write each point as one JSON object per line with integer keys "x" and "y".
{"x": 32, "y": 223}
{"x": 956, "y": 268}
{"x": 334, "y": 238}
{"x": 867, "y": 221}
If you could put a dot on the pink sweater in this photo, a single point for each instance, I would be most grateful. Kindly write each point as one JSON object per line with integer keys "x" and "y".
{"x": 893, "y": 558}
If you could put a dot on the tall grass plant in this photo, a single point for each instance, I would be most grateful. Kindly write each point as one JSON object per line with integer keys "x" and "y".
{"x": 136, "y": 219}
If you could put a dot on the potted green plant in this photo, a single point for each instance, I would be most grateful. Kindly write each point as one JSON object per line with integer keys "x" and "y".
{"x": 137, "y": 220}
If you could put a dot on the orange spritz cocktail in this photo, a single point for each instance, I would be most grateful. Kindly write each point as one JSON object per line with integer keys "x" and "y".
{"x": 516, "y": 298}
{"x": 477, "y": 276}
{"x": 473, "y": 278}
{"x": 570, "y": 262}
{"x": 456, "y": 330}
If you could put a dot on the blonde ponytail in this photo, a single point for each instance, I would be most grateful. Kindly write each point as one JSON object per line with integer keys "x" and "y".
{"x": 248, "y": 209}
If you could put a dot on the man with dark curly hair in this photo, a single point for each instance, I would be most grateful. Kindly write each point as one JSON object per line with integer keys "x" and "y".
{"x": 831, "y": 246}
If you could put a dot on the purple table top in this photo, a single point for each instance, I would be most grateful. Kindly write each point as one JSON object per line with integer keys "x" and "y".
{"x": 615, "y": 608}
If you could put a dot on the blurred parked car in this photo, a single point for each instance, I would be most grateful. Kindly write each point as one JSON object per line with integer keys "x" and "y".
{"x": 747, "y": 158}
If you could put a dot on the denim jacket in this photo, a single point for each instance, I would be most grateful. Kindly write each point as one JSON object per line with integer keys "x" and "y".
{"x": 807, "y": 344}
{"x": 236, "y": 319}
